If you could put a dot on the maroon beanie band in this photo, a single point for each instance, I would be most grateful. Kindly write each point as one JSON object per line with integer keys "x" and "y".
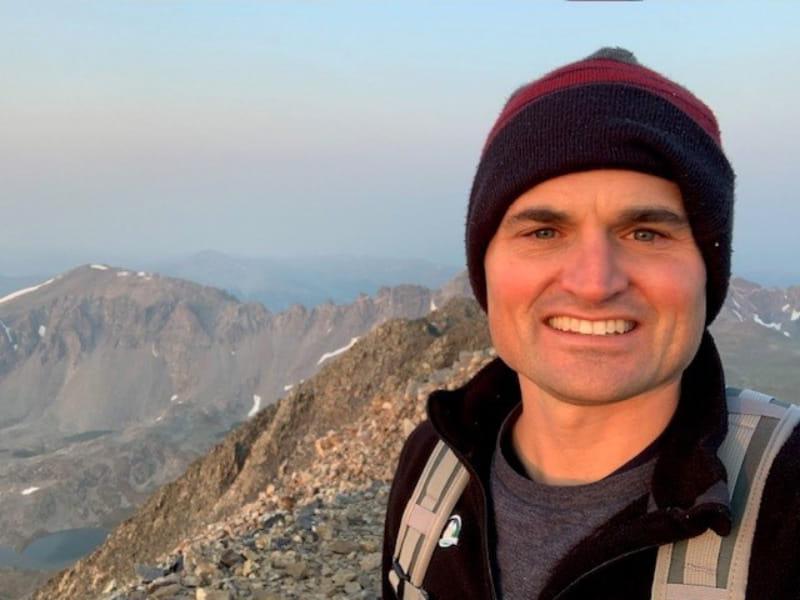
{"x": 614, "y": 124}
{"x": 604, "y": 70}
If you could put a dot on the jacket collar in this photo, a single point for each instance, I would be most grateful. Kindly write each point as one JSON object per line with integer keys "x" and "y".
{"x": 688, "y": 475}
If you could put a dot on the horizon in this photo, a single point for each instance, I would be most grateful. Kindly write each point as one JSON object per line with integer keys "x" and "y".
{"x": 764, "y": 280}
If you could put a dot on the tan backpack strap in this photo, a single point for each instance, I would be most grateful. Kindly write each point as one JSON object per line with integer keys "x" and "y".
{"x": 709, "y": 567}
{"x": 438, "y": 489}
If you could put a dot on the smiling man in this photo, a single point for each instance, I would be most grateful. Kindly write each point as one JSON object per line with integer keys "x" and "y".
{"x": 600, "y": 456}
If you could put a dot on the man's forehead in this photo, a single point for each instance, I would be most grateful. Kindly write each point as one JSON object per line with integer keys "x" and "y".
{"x": 618, "y": 190}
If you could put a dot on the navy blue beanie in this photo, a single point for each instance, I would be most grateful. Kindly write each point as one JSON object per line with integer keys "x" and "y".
{"x": 607, "y": 111}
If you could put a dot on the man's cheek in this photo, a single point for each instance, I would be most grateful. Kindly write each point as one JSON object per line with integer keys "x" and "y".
{"x": 508, "y": 284}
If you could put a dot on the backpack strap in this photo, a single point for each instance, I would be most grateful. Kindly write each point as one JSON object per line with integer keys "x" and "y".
{"x": 710, "y": 567}
{"x": 438, "y": 489}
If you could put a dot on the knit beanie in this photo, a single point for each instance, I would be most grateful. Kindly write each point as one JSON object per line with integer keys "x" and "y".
{"x": 607, "y": 111}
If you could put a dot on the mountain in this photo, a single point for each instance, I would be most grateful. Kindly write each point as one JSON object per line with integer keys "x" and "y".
{"x": 112, "y": 381}
{"x": 294, "y": 502}
{"x": 281, "y": 282}
{"x": 758, "y": 334}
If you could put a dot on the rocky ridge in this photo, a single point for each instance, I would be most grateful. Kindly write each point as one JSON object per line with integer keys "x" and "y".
{"x": 291, "y": 503}
{"x": 306, "y": 541}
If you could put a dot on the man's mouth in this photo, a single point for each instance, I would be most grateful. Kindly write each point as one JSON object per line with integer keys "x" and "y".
{"x": 582, "y": 326}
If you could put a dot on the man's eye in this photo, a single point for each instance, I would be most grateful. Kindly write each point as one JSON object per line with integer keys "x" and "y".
{"x": 645, "y": 235}
{"x": 546, "y": 233}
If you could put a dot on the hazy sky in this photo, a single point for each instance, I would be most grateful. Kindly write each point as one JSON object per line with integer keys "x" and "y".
{"x": 151, "y": 127}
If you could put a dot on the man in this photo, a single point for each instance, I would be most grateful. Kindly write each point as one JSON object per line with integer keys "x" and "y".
{"x": 590, "y": 453}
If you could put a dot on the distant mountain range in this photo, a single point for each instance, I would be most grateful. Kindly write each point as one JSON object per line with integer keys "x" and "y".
{"x": 278, "y": 283}
{"x": 112, "y": 380}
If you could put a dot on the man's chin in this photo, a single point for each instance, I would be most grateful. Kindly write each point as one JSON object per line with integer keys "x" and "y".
{"x": 580, "y": 390}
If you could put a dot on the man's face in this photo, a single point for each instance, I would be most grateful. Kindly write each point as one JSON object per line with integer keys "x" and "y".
{"x": 595, "y": 286}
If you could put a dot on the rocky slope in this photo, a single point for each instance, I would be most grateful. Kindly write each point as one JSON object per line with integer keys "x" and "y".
{"x": 758, "y": 334}
{"x": 317, "y": 442}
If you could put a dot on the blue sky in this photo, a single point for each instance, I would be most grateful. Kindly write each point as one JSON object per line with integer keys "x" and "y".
{"x": 158, "y": 128}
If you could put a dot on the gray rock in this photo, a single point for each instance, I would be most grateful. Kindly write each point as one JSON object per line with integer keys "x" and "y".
{"x": 352, "y": 588}
{"x": 148, "y": 573}
{"x": 212, "y": 594}
{"x": 298, "y": 569}
{"x": 262, "y": 595}
{"x": 167, "y": 591}
{"x": 281, "y": 543}
{"x": 273, "y": 520}
{"x": 191, "y": 581}
{"x": 371, "y": 562}
{"x": 231, "y": 558}
{"x": 343, "y": 546}
{"x": 342, "y": 576}
{"x": 160, "y": 582}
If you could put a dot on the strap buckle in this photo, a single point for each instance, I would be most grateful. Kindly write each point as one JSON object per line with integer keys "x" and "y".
{"x": 405, "y": 582}
{"x": 398, "y": 569}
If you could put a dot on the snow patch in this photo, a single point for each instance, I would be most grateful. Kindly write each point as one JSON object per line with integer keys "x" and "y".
{"x": 142, "y": 274}
{"x": 342, "y": 350}
{"x": 123, "y": 273}
{"x": 24, "y": 291}
{"x": 735, "y": 303}
{"x": 286, "y": 388}
{"x": 795, "y": 314}
{"x": 787, "y": 334}
{"x": 738, "y": 316}
{"x": 99, "y": 267}
{"x": 153, "y": 350}
{"x": 256, "y": 405}
{"x": 775, "y": 326}
{"x": 432, "y": 306}
{"x": 785, "y": 308}
{"x": 42, "y": 330}
{"x": 29, "y": 491}
{"x": 8, "y": 332}
{"x": 173, "y": 398}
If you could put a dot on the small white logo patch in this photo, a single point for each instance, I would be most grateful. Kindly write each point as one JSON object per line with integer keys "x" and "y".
{"x": 451, "y": 532}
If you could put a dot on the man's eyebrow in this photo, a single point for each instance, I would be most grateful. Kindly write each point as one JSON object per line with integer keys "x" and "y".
{"x": 649, "y": 214}
{"x": 643, "y": 214}
{"x": 539, "y": 215}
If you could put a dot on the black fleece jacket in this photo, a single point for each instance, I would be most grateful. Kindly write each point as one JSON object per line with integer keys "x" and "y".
{"x": 688, "y": 496}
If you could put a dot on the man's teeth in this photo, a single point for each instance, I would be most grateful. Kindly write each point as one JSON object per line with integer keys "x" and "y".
{"x": 606, "y": 327}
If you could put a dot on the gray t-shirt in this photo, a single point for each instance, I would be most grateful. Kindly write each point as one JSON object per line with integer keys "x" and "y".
{"x": 537, "y": 524}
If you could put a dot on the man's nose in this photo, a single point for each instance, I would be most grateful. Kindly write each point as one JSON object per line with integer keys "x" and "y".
{"x": 593, "y": 270}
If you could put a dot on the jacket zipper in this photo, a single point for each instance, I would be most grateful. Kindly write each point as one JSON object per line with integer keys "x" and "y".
{"x": 602, "y": 565}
